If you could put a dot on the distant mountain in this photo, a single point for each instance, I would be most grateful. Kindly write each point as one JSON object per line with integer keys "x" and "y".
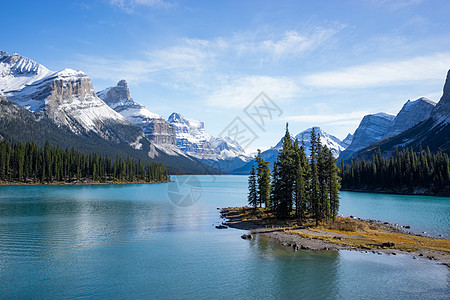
{"x": 348, "y": 140}
{"x": 333, "y": 143}
{"x": 434, "y": 132}
{"x": 371, "y": 130}
{"x": 220, "y": 152}
{"x": 155, "y": 128}
{"x": 411, "y": 114}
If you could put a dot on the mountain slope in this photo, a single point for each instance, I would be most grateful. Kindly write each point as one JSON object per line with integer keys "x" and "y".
{"x": 411, "y": 114}
{"x": 371, "y": 130}
{"x": 18, "y": 124}
{"x": 434, "y": 132}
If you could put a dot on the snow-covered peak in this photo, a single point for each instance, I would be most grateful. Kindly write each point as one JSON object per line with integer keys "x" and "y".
{"x": 194, "y": 140}
{"x": 326, "y": 139}
{"x": 18, "y": 71}
{"x": 304, "y": 139}
{"x": 119, "y": 99}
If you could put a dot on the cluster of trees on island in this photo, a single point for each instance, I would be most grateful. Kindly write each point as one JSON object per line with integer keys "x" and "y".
{"x": 298, "y": 186}
{"x": 405, "y": 171}
{"x": 29, "y": 163}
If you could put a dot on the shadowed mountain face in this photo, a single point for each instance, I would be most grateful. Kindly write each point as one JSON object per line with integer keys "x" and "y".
{"x": 411, "y": 114}
{"x": 371, "y": 130}
{"x": 433, "y": 132}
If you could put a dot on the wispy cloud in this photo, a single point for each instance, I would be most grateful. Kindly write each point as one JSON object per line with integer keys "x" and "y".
{"x": 130, "y": 5}
{"x": 203, "y": 66}
{"x": 239, "y": 92}
{"x": 383, "y": 73}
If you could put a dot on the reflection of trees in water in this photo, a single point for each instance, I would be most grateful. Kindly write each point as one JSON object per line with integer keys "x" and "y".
{"x": 303, "y": 274}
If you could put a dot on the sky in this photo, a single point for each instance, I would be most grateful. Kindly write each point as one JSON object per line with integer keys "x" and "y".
{"x": 322, "y": 63}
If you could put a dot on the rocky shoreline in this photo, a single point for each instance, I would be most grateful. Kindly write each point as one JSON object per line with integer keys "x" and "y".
{"x": 302, "y": 239}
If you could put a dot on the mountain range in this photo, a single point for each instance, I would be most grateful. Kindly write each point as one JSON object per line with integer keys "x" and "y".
{"x": 38, "y": 104}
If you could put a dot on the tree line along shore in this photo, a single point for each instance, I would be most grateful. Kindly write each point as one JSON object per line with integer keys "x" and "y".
{"x": 29, "y": 164}
{"x": 404, "y": 172}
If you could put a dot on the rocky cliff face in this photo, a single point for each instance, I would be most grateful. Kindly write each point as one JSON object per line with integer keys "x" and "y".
{"x": 155, "y": 128}
{"x": 411, "y": 114}
{"x": 371, "y": 129}
{"x": 441, "y": 112}
{"x": 67, "y": 97}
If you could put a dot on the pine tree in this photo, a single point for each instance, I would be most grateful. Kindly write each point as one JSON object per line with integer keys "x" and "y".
{"x": 263, "y": 179}
{"x": 286, "y": 176}
{"x": 252, "y": 189}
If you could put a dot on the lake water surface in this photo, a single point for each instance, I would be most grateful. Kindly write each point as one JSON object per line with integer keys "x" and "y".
{"x": 139, "y": 241}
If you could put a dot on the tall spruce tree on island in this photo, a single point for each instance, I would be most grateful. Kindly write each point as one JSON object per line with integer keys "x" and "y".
{"x": 252, "y": 190}
{"x": 301, "y": 183}
{"x": 263, "y": 179}
{"x": 314, "y": 192}
{"x": 286, "y": 177}
{"x": 324, "y": 197}
{"x": 333, "y": 184}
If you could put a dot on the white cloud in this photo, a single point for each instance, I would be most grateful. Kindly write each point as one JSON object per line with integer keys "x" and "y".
{"x": 201, "y": 65}
{"x": 328, "y": 118}
{"x": 239, "y": 92}
{"x": 383, "y": 73}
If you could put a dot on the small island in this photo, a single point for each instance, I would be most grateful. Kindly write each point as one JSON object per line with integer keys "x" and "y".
{"x": 345, "y": 233}
{"x": 301, "y": 204}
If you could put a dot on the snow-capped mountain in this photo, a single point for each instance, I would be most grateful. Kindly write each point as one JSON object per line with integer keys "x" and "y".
{"x": 17, "y": 71}
{"x": 412, "y": 113}
{"x": 67, "y": 97}
{"x": 333, "y": 143}
{"x": 220, "y": 152}
{"x": 371, "y": 130}
{"x": 304, "y": 138}
{"x": 158, "y": 130}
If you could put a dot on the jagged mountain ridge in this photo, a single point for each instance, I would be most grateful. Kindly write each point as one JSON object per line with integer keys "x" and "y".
{"x": 434, "y": 132}
{"x": 158, "y": 130}
{"x": 220, "y": 152}
{"x": 378, "y": 127}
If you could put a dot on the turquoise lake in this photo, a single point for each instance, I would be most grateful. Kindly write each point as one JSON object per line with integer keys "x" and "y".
{"x": 158, "y": 241}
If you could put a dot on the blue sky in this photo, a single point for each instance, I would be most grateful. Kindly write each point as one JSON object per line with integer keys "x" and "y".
{"x": 324, "y": 63}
